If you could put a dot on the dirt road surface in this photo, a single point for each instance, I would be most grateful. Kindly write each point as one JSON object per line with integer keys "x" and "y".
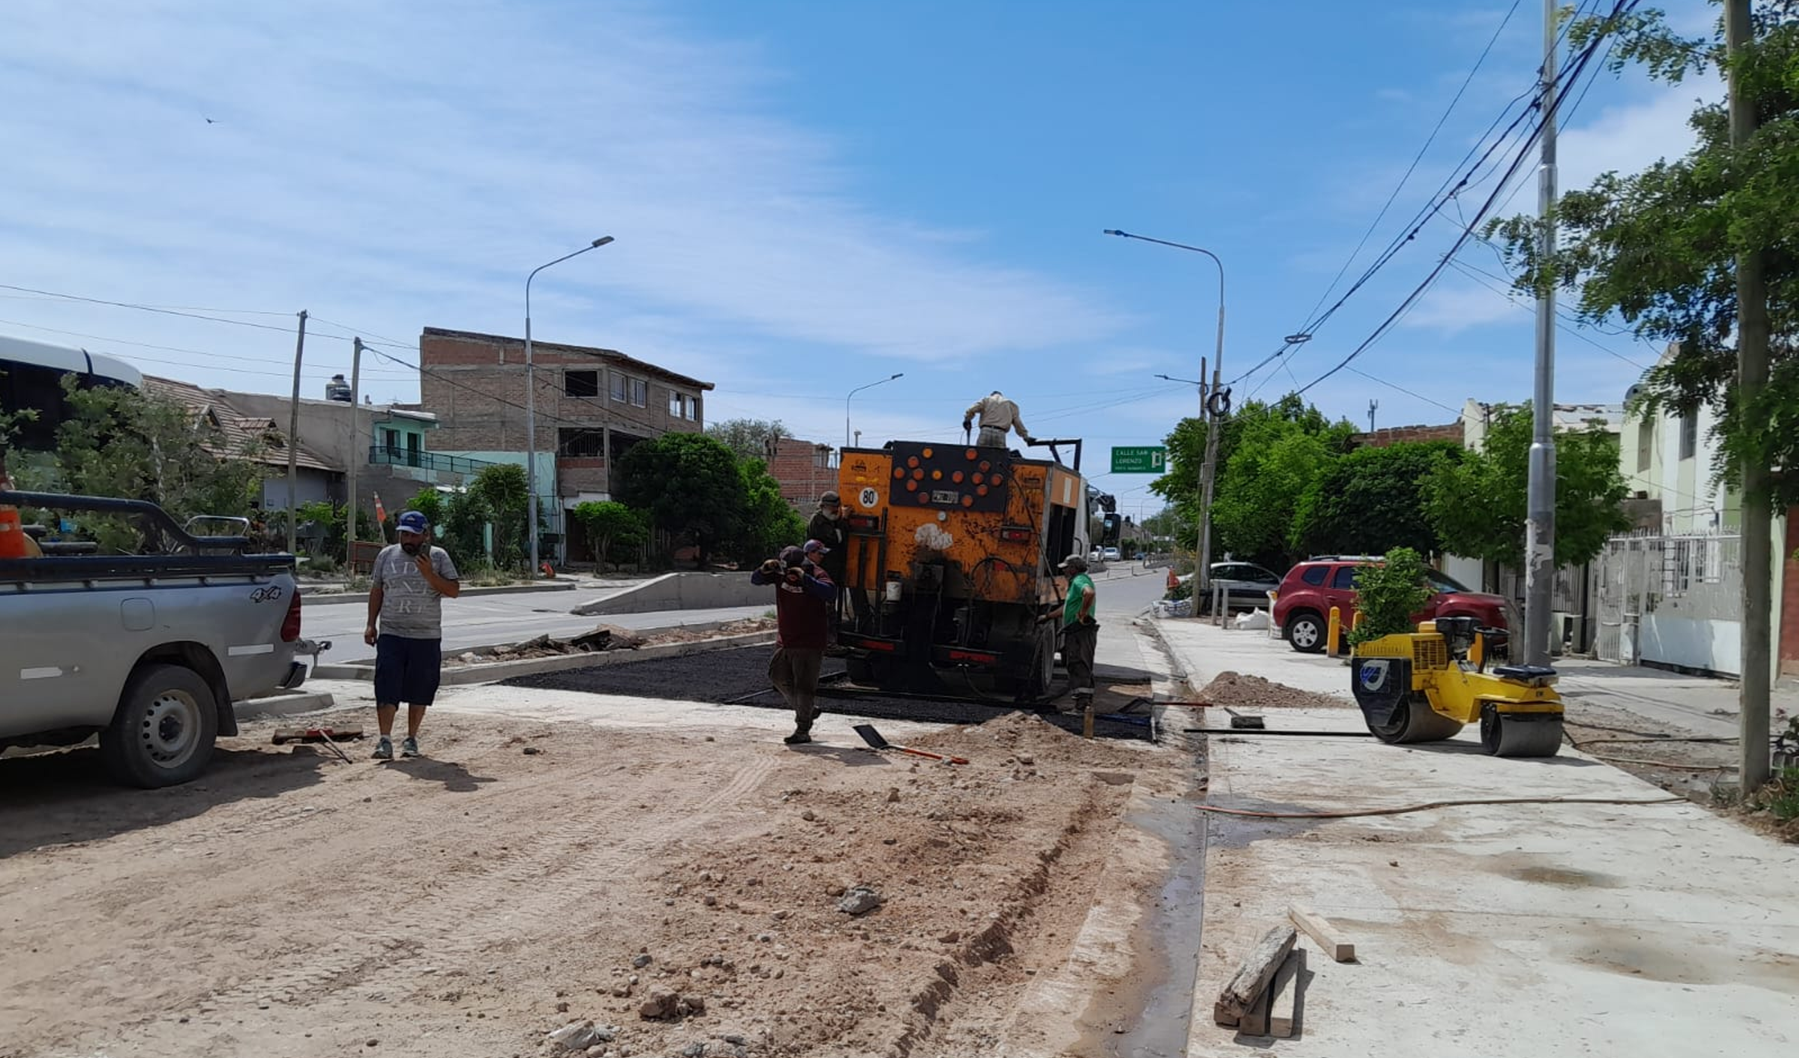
{"x": 678, "y": 887}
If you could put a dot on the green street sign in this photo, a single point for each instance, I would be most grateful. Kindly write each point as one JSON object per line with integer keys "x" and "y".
{"x": 1147, "y": 459}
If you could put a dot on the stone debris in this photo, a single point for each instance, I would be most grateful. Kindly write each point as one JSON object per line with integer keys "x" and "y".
{"x": 671, "y": 1006}
{"x": 581, "y": 1035}
{"x": 859, "y": 900}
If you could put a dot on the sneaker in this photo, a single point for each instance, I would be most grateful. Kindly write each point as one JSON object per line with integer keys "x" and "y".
{"x": 384, "y": 750}
{"x": 797, "y": 738}
{"x": 409, "y": 747}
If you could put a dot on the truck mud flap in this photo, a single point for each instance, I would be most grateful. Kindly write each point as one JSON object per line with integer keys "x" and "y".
{"x": 296, "y": 675}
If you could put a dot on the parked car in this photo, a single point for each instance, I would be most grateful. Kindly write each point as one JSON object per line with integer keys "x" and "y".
{"x": 1110, "y": 554}
{"x": 1247, "y": 586}
{"x": 1303, "y": 602}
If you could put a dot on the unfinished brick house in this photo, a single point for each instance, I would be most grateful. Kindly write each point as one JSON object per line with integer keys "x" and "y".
{"x": 805, "y": 469}
{"x": 592, "y": 405}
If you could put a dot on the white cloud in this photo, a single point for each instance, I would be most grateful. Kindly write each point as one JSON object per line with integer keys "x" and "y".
{"x": 399, "y": 165}
{"x": 1452, "y": 307}
{"x": 1629, "y": 137}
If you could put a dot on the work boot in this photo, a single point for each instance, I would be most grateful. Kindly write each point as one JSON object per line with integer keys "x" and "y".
{"x": 409, "y": 747}
{"x": 384, "y": 749}
{"x": 798, "y": 737}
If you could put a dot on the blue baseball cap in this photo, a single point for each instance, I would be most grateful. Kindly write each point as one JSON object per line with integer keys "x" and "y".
{"x": 413, "y": 522}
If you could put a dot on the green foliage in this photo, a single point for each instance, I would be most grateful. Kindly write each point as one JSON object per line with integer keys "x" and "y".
{"x": 130, "y": 444}
{"x": 748, "y": 438}
{"x": 770, "y": 523}
{"x": 1370, "y": 500}
{"x": 500, "y": 491}
{"x": 613, "y": 530}
{"x": 690, "y": 484}
{"x": 1387, "y": 595}
{"x": 331, "y": 518}
{"x": 459, "y": 523}
{"x": 428, "y": 502}
{"x": 1659, "y": 247}
{"x": 1478, "y": 504}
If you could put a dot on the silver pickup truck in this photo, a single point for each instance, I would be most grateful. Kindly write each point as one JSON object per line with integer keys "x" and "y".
{"x": 147, "y": 651}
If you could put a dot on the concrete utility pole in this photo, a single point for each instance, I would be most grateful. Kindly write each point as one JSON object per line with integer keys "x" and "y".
{"x": 531, "y": 497}
{"x": 1540, "y": 494}
{"x": 1213, "y": 422}
{"x": 293, "y": 439}
{"x": 356, "y": 450}
{"x": 1752, "y": 379}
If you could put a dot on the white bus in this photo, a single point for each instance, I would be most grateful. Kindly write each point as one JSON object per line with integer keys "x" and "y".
{"x": 31, "y": 376}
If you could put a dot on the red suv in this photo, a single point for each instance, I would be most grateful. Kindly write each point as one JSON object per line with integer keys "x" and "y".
{"x": 1313, "y": 587}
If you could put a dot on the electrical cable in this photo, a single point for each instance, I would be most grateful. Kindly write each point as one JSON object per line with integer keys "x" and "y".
{"x": 1429, "y": 805}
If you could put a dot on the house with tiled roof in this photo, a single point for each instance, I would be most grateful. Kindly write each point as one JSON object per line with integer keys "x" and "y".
{"x": 228, "y": 431}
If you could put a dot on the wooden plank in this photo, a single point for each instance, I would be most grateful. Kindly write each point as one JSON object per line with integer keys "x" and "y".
{"x": 1255, "y": 1021}
{"x": 1284, "y": 994}
{"x": 1246, "y": 986}
{"x": 1330, "y": 940}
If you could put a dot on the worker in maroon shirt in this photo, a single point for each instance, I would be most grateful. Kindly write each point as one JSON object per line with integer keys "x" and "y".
{"x": 804, "y": 595}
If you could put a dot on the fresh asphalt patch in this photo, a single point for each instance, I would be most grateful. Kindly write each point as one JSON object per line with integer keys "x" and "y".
{"x": 740, "y": 677}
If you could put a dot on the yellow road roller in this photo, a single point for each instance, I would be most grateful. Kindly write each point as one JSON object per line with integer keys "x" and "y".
{"x": 1423, "y": 686}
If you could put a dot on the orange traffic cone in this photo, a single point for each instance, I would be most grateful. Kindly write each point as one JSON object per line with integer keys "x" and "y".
{"x": 13, "y": 542}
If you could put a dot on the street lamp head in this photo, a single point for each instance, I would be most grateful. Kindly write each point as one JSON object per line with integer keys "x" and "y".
{"x": 895, "y": 375}
{"x": 603, "y": 240}
{"x": 1115, "y": 231}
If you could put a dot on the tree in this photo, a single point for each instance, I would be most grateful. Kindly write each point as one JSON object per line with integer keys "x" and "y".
{"x": 1478, "y": 504}
{"x": 1371, "y": 500}
{"x": 1659, "y": 247}
{"x": 770, "y": 522}
{"x": 502, "y": 492}
{"x": 749, "y": 438}
{"x": 1388, "y": 593}
{"x": 690, "y": 483}
{"x": 1279, "y": 451}
{"x": 611, "y": 527}
{"x": 130, "y": 444}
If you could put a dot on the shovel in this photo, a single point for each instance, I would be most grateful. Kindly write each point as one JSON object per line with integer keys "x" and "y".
{"x": 874, "y": 739}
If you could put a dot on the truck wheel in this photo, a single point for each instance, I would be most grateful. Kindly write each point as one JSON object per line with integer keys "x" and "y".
{"x": 1306, "y": 632}
{"x": 162, "y": 733}
{"x": 1043, "y": 664}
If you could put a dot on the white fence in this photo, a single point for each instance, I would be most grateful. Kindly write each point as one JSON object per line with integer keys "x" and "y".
{"x": 1670, "y": 600}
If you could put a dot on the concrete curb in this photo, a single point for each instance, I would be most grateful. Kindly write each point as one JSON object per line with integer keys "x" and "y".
{"x": 531, "y": 666}
{"x": 336, "y": 598}
{"x": 284, "y": 705}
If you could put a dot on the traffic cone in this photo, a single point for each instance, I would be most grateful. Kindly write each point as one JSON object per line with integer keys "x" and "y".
{"x": 13, "y": 542}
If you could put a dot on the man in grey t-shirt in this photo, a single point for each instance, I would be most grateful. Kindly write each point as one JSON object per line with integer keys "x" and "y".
{"x": 410, "y": 580}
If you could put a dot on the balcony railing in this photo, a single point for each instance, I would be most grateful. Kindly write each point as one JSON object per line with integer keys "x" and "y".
{"x": 385, "y": 455}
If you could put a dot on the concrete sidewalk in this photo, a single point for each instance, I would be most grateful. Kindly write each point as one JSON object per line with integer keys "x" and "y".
{"x": 1642, "y": 930}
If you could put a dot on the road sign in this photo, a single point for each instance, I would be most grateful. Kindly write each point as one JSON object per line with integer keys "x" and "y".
{"x": 1144, "y": 460}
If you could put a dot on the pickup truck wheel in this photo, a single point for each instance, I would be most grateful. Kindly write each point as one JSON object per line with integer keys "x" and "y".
{"x": 162, "y": 733}
{"x": 1306, "y": 632}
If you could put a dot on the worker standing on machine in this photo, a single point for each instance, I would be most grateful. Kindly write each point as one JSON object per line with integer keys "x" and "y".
{"x": 998, "y": 415}
{"x": 1081, "y": 633}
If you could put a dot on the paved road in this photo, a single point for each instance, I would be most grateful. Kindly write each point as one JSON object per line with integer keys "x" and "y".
{"x": 483, "y": 620}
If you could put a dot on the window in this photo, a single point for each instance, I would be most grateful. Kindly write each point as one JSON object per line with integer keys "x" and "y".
{"x": 1442, "y": 582}
{"x": 677, "y": 404}
{"x": 1344, "y": 578}
{"x": 581, "y": 444}
{"x": 693, "y": 409}
{"x": 618, "y": 386}
{"x": 1645, "y": 434}
{"x": 1690, "y": 433}
{"x": 581, "y": 383}
{"x": 1313, "y": 575}
{"x": 640, "y": 393}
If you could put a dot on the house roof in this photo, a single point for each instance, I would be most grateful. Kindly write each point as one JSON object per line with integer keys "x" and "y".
{"x": 233, "y": 431}
{"x": 608, "y": 355}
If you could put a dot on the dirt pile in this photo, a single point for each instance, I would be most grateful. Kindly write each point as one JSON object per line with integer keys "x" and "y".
{"x": 606, "y": 638}
{"x": 1254, "y": 692}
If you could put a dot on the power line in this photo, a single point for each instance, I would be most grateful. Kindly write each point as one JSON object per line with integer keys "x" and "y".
{"x": 1574, "y": 332}
{"x": 1573, "y": 72}
{"x": 1403, "y": 389}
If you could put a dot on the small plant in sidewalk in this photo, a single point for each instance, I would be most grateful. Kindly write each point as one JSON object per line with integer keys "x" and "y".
{"x": 1387, "y": 595}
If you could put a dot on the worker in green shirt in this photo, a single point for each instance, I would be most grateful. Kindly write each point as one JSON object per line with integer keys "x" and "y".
{"x": 1080, "y": 631}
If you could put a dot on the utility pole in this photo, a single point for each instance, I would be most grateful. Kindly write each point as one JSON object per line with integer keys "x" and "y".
{"x": 1540, "y": 495}
{"x": 1373, "y": 404}
{"x": 293, "y": 439}
{"x": 356, "y": 347}
{"x": 1752, "y": 379}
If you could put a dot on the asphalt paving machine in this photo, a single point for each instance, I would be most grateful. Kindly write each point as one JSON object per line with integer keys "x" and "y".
{"x": 952, "y": 564}
{"x": 1423, "y": 686}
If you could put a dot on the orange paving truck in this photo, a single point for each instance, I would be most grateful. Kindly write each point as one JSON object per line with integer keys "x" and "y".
{"x": 952, "y": 564}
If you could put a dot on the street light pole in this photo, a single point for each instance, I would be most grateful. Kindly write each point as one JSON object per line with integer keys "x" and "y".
{"x": 853, "y": 393}
{"x": 531, "y": 497}
{"x": 1208, "y": 468}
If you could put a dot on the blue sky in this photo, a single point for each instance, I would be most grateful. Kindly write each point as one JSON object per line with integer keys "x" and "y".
{"x": 806, "y": 196}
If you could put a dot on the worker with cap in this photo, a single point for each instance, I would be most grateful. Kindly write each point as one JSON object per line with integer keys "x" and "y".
{"x": 1081, "y": 633}
{"x": 408, "y": 585}
{"x": 997, "y": 415}
{"x": 828, "y": 528}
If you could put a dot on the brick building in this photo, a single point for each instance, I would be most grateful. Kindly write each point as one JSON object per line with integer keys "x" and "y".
{"x": 592, "y": 406}
{"x": 1391, "y": 435}
{"x": 805, "y": 469}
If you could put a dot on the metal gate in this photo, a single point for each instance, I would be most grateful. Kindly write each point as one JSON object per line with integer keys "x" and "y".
{"x": 1692, "y": 577}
